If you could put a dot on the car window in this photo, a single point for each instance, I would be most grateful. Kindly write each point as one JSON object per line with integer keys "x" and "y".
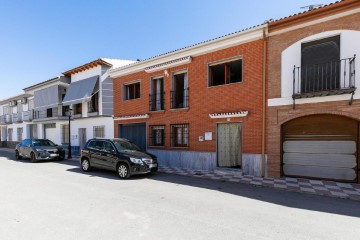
{"x": 98, "y": 145}
{"x": 43, "y": 142}
{"x": 108, "y": 147}
{"x": 124, "y": 146}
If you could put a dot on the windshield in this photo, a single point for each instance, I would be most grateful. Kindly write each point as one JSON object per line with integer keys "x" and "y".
{"x": 43, "y": 142}
{"x": 124, "y": 146}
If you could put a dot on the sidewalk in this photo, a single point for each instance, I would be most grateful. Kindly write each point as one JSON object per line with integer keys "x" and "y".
{"x": 327, "y": 188}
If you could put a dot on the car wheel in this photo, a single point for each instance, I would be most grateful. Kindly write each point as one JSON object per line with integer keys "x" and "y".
{"x": 85, "y": 165}
{"x": 123, "y": 171}
{"x": 32, "y": 157}
{"x": 17, "y": 155}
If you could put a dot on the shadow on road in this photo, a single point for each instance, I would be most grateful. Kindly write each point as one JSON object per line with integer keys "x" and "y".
{"x": 286, "y": 198}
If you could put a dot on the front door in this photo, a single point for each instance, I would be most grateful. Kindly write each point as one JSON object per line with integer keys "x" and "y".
{"x": 82, "y": 137}
{"x": 229, "y": 144}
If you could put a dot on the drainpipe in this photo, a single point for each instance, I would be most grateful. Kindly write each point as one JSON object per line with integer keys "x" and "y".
{"x": 263, "y": 105}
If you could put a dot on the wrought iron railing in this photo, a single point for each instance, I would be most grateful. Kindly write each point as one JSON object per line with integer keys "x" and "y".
{"x": 2, "y": 119}
{"x": 323, "y": 79}
{"x": 156, "y": 101}
{"x": 179, "y": 99}
{"x": 46, "y": 113}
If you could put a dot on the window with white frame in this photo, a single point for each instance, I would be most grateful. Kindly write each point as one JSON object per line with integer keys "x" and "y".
{"x": 225, "y": 72}
{"x": 99, "y": 131}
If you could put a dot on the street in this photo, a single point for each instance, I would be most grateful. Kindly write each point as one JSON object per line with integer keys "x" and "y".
{"x": 56, "y": 200}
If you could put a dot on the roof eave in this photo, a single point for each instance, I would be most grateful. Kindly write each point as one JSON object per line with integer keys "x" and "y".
{"x": 195, "y": 50}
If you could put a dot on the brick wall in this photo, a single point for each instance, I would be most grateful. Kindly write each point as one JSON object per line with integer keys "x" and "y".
{"x": 203, "y": 100}
{"x": 276, "y": 116}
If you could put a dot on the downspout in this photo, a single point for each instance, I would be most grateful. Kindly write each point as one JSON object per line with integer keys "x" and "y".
{"x": 263, "y": 105}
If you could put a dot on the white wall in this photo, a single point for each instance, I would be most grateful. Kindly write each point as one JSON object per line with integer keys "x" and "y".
{"x": 89, "y": 123}
{"x": 86, "y": 74}
{"x": 290, "y": 57}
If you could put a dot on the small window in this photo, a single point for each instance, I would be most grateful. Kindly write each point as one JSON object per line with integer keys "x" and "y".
{"x": 132, "y": 91}
{"x": 180, "y": 135}
{"x": 157, "y": 135}
{"x": 78, "y": 108}
{"x": 99, "y": 131}
{"x": 225, "y": 72}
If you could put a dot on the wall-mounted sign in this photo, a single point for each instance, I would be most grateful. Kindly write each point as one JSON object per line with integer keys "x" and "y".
{"x": 208, "y": 136}
{"x": 201, "y": 138}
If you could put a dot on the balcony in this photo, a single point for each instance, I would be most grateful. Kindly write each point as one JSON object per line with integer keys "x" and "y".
{"x": 2, "y": 119}
{"x": 324, "y": 79}
{"x": 156, "y": 101}
{"x": 49, "y": 114}
{"x": 179, "y": 99}
{"x": 27, "y": 116}
{"x": 17, "y": 117}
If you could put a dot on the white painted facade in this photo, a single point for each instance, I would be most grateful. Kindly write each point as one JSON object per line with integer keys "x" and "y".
{"x": 290, "y": 57}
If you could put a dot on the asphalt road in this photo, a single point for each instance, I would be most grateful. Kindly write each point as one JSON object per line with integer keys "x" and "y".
{"x": 55, "y": 200}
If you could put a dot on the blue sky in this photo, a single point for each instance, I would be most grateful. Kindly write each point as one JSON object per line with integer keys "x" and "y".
{"x": 40, "y": 39}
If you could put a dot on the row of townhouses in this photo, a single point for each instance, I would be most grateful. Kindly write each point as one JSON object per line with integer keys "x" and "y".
{"x": 277, "y": 99}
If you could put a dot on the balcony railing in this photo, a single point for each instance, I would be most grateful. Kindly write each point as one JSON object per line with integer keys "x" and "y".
{"x": 46, "y": 114}
{"x": 179, "y": 99}
{"x": 2, "y": 119}
{"x": 324, "y": 79}
{"x": 17, "y": 117}
{"x": 156, "y": 101}
{"x": 27, "y": 116}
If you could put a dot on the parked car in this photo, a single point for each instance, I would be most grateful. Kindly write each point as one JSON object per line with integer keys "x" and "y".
{"x": 39, "y": 149}
{"x": 118, "y": 155}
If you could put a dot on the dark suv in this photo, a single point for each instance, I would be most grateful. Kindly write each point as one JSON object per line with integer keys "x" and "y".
{"x": 118, "y": 155}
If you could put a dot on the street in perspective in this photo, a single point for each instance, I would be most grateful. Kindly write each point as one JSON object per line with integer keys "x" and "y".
{"x": 57, "y": 200}
{"x": 180, "y": 120}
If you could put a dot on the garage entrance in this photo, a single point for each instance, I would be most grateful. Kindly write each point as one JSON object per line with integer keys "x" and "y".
{"x": 134, "y": 132}
{"x": 321, "y": 147}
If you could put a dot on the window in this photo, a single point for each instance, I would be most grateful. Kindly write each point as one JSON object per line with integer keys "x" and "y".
{"x": 157, "y": 94}
{"x": 19, "y": 134}
{"x": 10, "y": 134}
{"x": 93, "y": 105}
{"x": 157, "y": 135}
{"x": 320, "y": 65}
{"x": 99, "y": 131}
{"x": 180, "y": 135}
{"x": 65, "y": 134}
{"x": 225, "y": 72}
{"x": 78, "y": 108}
{"x": 179, "y": 95}
{"x": 132, "y": 91}
{"x": 49, "y": 112}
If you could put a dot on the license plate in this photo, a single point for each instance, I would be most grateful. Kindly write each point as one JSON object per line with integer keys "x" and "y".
{"x": 54, "y": 155}
{"x": 153, "y": 165}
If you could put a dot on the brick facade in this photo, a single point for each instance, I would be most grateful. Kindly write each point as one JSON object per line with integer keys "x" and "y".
{"x": 278, "y": 115}
{"x": 203, "y": 100}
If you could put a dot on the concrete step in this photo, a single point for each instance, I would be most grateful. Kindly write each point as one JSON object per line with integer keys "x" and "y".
{"x": 228, "y": 171}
